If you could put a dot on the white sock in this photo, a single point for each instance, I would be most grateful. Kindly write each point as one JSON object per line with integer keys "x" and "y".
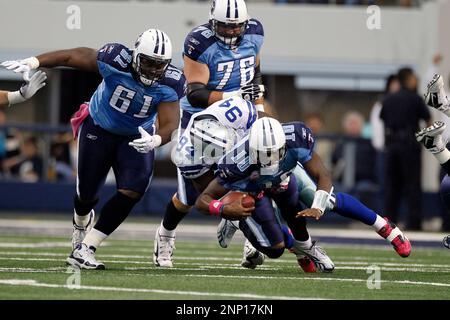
{"x": 81, "y": 221}
{"x": 443, "y": 156}
{"x": 94, "y": 238}
{"x": 167, "y": 233}
{"x": 379, "y": 223}
{"x": 304, "y": 244}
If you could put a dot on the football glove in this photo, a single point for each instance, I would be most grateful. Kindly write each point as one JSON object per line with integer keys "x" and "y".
{"x": 146, "y": 142}
{"x": 249, "y": 92}
{"x": 28, "y": 89}
{"x": 22, "y": 66}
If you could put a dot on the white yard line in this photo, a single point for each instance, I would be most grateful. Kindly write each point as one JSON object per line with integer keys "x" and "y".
{"x": 34, "y": 283}
{"x": 206, "y": 266}
{"x": 202, "y": 230}
{"x": 219, "y": 258}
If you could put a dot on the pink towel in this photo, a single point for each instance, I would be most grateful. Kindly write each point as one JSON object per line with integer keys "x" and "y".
{"x": 78, "y": 118}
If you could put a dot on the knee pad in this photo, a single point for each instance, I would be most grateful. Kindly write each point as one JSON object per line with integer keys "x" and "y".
{"x": 445, "y": 191}
{"x": 180, "y": 206}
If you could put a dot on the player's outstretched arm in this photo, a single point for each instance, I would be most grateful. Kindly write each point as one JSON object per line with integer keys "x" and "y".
{"x": 208, "y": 204}
{"x": 317, "y": 170}
{"x": 80, "y": 58}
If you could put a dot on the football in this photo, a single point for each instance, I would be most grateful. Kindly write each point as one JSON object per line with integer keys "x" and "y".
{"x": 247, "y": 200}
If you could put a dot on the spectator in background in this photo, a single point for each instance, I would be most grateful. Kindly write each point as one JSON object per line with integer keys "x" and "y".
{"x": 61, "y": 158}
{"x": 401, "y": 112}
{"x": 324, "y": 147}
{"x": 28, "y": 166}
{"x": 363, "y": 180}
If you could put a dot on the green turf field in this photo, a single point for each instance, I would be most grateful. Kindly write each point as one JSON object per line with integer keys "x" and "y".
{"x": 34, "y": 267}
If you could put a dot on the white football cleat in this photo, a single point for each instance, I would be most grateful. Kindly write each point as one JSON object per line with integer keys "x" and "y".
{"x": 225, "y": 231}
{"x": 431, "y": 137}
{"x": 252, "y": 257}
{"x": 436, "y": 96}
{"x": 79, "y": 233}
{"x": 316, "y": 254}
{"x": 163, "y": 250}
{"x": 84, "y": 258}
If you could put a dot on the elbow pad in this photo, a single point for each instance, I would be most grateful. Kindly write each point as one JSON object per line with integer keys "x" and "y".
{"x": 198, "y": 95}
{"x": 257, "y": 78}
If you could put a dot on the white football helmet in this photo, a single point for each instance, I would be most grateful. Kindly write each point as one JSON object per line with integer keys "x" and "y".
{"x": 211, "y": 139}
{"x": 267, "y": 143}
{"x": 152, "y": 55}
{"x": 228, "y": 19}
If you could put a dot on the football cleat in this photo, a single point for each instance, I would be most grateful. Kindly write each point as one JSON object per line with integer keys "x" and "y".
{"x": 79, "y": 233}
{"x": 252, "y": 257}
{"x": 306, "y": 264}
{"x": 84, "y": 258}
{"x": 398, "y": 240}
{"x": 436, "y": 96}
{"x": 431, "y": 137}
{"x": 163, "y": 250}
{"x": 316, "y": 255}
{"x": 225, "y": 232}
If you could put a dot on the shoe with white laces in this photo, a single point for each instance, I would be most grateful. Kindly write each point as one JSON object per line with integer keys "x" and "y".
{"x": 225, "y": 231}
{"x": 431, "y": 137}
{"x": 316, "y": 255}
{"x": 79, "y": 233}
{"x": 436, "y": 96}
{"x": 252, "y": 257}
{"x": 163, "y": 250}
{"x": 84, "y": 258}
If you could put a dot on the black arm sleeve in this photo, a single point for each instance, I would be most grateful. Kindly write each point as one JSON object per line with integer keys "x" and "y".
{"x": 198, "y": 95}
{"x": 257, "y": 79}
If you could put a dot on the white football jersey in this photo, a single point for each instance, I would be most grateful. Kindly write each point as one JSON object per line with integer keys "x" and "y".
{"x": 235, "y": 113}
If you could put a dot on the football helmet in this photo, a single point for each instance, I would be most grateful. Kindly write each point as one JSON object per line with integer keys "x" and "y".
{"x": 267, "y": 144}
{"x": 211, "y": 139}
{"x": 152, "y": 55}
{"x": 228, "y": 20}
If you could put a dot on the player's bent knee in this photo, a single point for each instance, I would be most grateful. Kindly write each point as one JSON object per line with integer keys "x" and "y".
{"x": 131, "y": 194}
{"x": 274, "y": 253}
{"x": 180, "y": 206}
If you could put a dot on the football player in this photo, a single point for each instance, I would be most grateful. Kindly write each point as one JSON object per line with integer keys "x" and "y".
{"x": 432, "y": 136}
{"x": 264, "y": 161}
{"x": 26, "y": 91}
{"x": 117, "y": 129}
{"x": 221, "y": 60}
{"x": 207, "y": 137}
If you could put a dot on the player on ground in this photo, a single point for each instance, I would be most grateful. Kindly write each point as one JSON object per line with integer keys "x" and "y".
{"x": 221, "y": 60}
{"x": 297, "y": 143}
{"x": 432, "y": 139}
{"x": 26, "y": 91}
{"x": 117, "y": 129}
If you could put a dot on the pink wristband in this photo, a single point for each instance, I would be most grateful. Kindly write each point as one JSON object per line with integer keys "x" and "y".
{"x": 215, "y": 206}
